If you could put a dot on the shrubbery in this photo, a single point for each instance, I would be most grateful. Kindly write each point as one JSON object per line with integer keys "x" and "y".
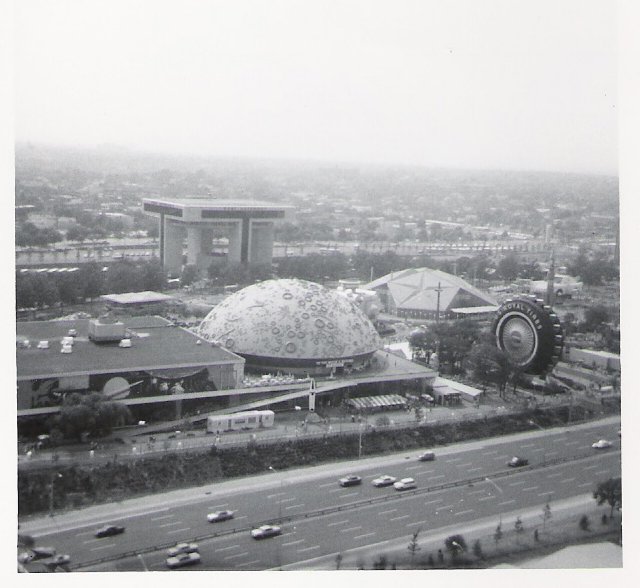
{"x": 83, "y": 485}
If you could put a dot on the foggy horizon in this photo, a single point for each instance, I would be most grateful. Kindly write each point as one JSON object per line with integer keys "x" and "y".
{"x": 464, "y": 85}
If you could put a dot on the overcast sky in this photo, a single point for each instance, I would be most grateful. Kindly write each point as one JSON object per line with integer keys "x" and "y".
{"x": 467, "y": 83}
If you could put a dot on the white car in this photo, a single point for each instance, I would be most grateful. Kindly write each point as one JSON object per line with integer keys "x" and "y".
{"x": 183, "y": 559}
{"x": 384, "y": 481}
{"x": 220, "y": 515}
{"x": 601, "y": 444}
{"x": 183, "y": 548}
{"x": 405, "y": 484}
{"x": 266, "y": 531}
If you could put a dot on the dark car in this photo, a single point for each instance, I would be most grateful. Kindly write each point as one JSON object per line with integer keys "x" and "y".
{"x": 516, "y": 462}
{"x": 427, "y": 456}
{"x": 109, "y": 531}
{"x": 350, "y": 480}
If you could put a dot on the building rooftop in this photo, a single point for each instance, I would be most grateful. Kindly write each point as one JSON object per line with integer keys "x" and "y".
{"x": 155, "y": 343}
{"x": 146, "y": 297}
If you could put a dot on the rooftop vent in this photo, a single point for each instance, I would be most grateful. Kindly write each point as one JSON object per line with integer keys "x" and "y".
{"x": 66, "y": 349}
{"x": 43, "y": 345}
{"x": 106, "y": 329}
{"x": 125, "y": 343}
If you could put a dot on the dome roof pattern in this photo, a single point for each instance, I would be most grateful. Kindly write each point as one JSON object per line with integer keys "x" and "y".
{"x": 290, "y": 319}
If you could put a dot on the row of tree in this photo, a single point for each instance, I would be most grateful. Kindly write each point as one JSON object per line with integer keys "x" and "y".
{"x": 38, "y": 290}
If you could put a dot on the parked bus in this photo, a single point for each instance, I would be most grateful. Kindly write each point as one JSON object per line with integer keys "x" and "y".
{"x": 253, "y": 419}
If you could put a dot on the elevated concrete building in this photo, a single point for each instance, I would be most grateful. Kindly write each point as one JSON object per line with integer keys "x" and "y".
{"x": 248, "y": 226}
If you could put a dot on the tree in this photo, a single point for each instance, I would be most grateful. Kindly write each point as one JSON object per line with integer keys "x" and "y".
{"x": 92, "y": 279}
{"x": 595, "y": 317}
{"x": 455, "y": 545}
{"x": 584, "y": 523}
{"x": 92, "y": 414}
{"x": 497, "y": 535}
{"x": 518, "y": 525}
{"x": 509, "y": 267}
{"x": 477, "y": 549}
{"x": 189, "y": 275}
{"x": 489, "y": 364}
{"x": 609, "y": 492}
{"x": 413, "y": 546}
{"x": 546, "y": 515}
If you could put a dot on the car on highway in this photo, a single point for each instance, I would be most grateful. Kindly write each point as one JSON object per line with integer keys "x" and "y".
{"x": 266, "y": 531}
{"x": 350, "y": 480}
{"x": 62, "y": 559}
{"x": 36, "y": 553}
{"x": 517, "y": 462}
{"x": 109, "y": 531}
{"x": 601, "y": 444}
{"x": 220, "y": 515}
{"x": 183, "y": 548}
{"x": 384, "y": 481}
{"x": 405, "y": 484}
{"x": 427, "y": 456}
{"x": 183, "y": 559}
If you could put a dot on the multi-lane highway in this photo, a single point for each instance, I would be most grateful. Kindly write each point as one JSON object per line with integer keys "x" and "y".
{"x": 562, "y": 465}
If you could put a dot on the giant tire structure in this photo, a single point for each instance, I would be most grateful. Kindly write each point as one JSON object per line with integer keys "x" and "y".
{"x": 529, "y": 332}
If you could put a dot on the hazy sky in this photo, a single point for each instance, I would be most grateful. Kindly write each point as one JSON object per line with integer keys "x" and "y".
{"x": 467, "y": 83}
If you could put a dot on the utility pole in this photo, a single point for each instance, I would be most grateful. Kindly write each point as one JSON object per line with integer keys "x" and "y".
{"x": 438, "y": 290}
{"x": 550, "y": 279}
{"x": 53, "y": 479}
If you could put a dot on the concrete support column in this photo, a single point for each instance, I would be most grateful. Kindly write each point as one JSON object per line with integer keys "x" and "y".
{"x": 261, "y": 242}
{"x": 194, "y": 245}
{"x": 235, "y": 243}
{"x": 172, "y": 253}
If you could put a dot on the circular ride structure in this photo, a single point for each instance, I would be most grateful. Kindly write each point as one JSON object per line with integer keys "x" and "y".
{"x": 529, "y": 332}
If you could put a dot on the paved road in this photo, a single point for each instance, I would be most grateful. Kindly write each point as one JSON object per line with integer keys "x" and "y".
{"x": 292, "y": 495}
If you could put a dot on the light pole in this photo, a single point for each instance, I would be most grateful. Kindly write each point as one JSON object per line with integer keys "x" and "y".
{"x": 53, "y": 479}
{"x": 271, "y": 468}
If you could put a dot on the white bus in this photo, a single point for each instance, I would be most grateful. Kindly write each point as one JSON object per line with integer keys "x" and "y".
{"x": 253, "y": 419}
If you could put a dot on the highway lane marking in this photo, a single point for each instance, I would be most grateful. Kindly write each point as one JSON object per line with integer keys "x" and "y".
{"x": 435, "y": 500}
{"x": 530, "y": 488}
{"x": 388, "y": 511}
{"x": 556, "y": 475}
{"x": 236, "y": 555}
{"x": 170, "y": 524}
{"x": 465, "y": 465}
{"x": 601, "y": 472}
{"x": 340, "y": 489}
{"x": 350, "y": 529}
{"x": 248, "y": 563}
{"x": 103, "y": 547}
{"x": 277, "y": 494}
{"x": 293, "y": 498}
{"x": 349, "y": 495}
{"x": 527, "y": 445}
{"x": 415, "y": 467}
{"x": 591, "y": 467}
{"x": 492, "y": 452}
{"x": 363, "y": 536}
{"x": 293, "y": 543}
{"x": 169, "y": 516}
{"x": 91, "y": 541}
{"x": 474, "y": 470}
{"x": 567, "y": 480}
{"x": 585, "y": 484}
{"x": 518, "y": 483}
{"x": 294, "y": 506}
{"x": 227, "y": 548}
{"x": 462, "y": 512}
{"x": 572, "y": 442}
{"x": 446, "y": 507}
{"x": 178, "y": 530}
{"x": 453, "y": 459}
{"x": 417, "y": 523}
{"x": 400, "y": 518}
{"x": 218, "y": 506}
{"x": 308, "y": 548}
{"x": 548, "y": 493}
{"x": 482, "y": 491}
{"x": 485, "y": 498}
{"x": 240, "y": 518}
{"x": 437, "y": 477}
{"x": 327, "y": 485}
{"x": 538, "y": 450}
{"x": 338, "y": 523}
{"x": 506, "y": 502}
